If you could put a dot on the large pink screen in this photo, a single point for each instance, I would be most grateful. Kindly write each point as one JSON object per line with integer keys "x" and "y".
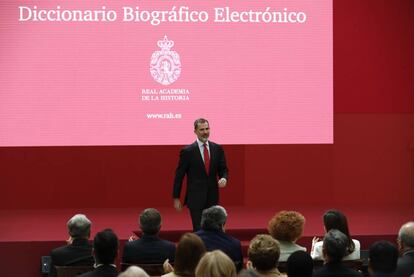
{"x": 140, "y": 72}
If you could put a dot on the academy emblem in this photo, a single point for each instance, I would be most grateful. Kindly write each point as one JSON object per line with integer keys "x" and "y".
{"x": 165, "y": 64}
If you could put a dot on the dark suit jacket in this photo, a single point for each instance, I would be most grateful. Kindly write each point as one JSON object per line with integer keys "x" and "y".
{"x": 202, "y": 188}
{"x": 405, "y": 265}
{"x": 101, "y": 271}
{"x": 148, "y": 250}
{"x": 214, "y": 240}
{"x": 336, "y": 270}
{"x": 77, "y": 253}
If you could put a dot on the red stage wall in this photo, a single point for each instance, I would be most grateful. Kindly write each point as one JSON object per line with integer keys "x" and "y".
{"x": 371, "y": 161}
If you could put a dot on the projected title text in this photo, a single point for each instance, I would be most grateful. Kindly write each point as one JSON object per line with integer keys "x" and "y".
{"x": 181, "y": 14}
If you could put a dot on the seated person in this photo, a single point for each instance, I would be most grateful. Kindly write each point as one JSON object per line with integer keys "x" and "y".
{"x": 334, "y": 219}
{"x": 105, "y": 251}
{"x": 335, "y": 245}
{"x": 149, "y": 249}
{"x": 78, "y": 250}
{"x": 383, "y": 256}
{"x": 300, "y": 264}
{"x": 214, "y": 237}
{"x": 264, "y": 255}
{"x": 215, "y": 264}
{"x": 405, "y": 265}
{"x": 189, "y": 251}
{"x": 287, "y": 227}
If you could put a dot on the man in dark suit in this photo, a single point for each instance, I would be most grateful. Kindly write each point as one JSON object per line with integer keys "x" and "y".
{"x": 105, "y": 250}
{"x": 213, "y": 235}
{"x": 405, "y": 264}
{"x": 149, "y": 249}
{"x": 204, "y": 163}
{"x": 334, "y": 249}
{"x": 78, "y": 251}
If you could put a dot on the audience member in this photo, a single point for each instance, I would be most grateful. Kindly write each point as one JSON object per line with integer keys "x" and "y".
{"x": 78, "y": 250}
{"x": 149, "y": 249}
{"x": 264, "y": 255}
{"x": 214, "y": 237}
{"x": 299, "y": 264}
{"x": 215, "y": 264}
{"x": 105, "y": 251}
{"x": 334, "y": 219}
{"x": 287, "y": 227}
{"x": 335, "y": 245}
{"x": 405, "y": 265}
{"x": 383, "y": 256}
{"x": 189, "y": 251}
{"x": 134, "y": 271}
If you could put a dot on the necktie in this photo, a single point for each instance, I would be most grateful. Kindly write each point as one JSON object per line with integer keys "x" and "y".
{"x": 206, "y": 158}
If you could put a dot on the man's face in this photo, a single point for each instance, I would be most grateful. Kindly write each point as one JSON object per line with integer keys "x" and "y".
{"x": 202, "y": 131}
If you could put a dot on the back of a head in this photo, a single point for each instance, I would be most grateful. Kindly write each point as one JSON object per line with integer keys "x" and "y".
{"x": 300, "y": 264}
{"x": 406, "y": 235}
{"x": 79, "y": 226}
{"x": 334, "y": 245}
{"x": 286, "y": 225}
{"x": 334, "y": 219}
{"x": 215, "y": 264}
{"x": 264, "y": 253}
{"x": 134, "y": 271}
{"x": 150, "y": 221}
{"x": 105, "y": 246}
{"x": 213, "y": 218}
{"x": 189, "y": 251}
{"x": 383, "y": 256}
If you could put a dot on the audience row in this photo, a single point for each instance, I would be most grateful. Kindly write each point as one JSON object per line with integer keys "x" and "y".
{"x": 212, "y": 252}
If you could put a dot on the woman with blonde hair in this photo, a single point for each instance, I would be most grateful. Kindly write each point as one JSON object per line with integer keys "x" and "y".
{"x": 215, "y": 264}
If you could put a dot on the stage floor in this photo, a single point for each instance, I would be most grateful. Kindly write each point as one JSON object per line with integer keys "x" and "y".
{"x": 50, "y": 225}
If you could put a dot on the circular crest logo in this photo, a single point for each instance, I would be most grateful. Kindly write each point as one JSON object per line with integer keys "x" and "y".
{"x": 165, "y": 64}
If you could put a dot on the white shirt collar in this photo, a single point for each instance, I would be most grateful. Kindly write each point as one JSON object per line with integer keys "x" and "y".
{"x": 200, "y": 143}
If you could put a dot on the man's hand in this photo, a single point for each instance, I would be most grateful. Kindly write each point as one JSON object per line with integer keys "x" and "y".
{"x": 177, "y": 204}
{"x": 222, "y": 182}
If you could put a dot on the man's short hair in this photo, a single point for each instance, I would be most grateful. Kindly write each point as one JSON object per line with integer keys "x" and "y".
{"x": 150, "y": 221}
{"x": 264, "y": 252}
{"x": 105, "y": 245}
{"x": 213, "y": 218}
{"x": 300, "y": 264}
{"x": 334, "y": 245}
{"x": 79, "y": 226}
{"x": 200, "y": 121}
{"x": 406, "y": 234}
{"x": 383, "y": 257}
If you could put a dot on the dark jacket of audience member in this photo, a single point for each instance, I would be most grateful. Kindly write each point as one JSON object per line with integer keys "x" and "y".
{"x": 383, "y": 256}
{"x": 335, "y": 245}
{"x": 212, "y": 233}
{"x": 105, "y": 251}
{"x": 79, "y": 250}
{"x": 149, "y": 249}
{"x": 405, "y": 264}
{"x": 300, "y": 264}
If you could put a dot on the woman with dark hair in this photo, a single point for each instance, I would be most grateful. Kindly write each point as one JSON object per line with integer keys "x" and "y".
{"x": 334, "y": 219}
{"x": 190, "y": 250}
